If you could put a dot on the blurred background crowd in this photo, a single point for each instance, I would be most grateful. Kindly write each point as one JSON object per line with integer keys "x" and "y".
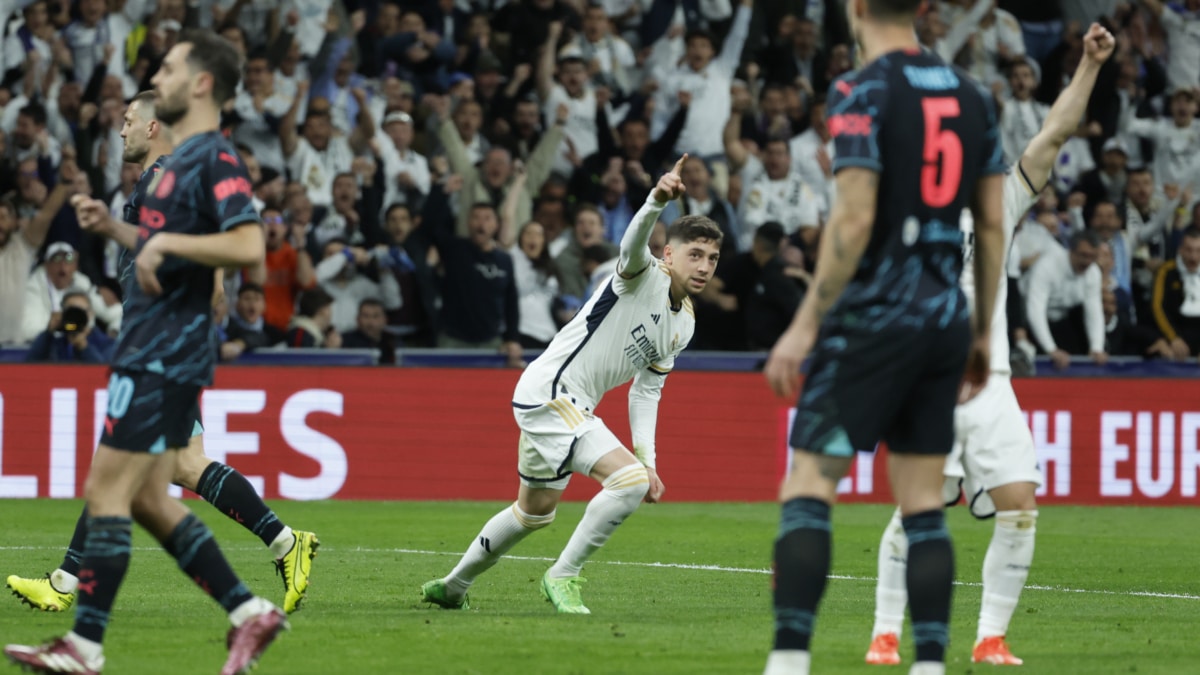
{"x": 457, "y": 173}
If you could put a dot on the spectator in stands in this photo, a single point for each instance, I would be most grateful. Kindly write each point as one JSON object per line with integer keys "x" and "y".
{"x": 632, "y": 159}
{"x": 1123, "y": 336}
{"x": 247, "y": 329}
{"x": 563, "y": 82}
{"x": 404, "y": 262}
{"x": 1107, "y": 181}
{"x": 370, "y": 333}
{"x": 340, "y": 277}
{"x": 607, "y": 57}
{"x": 760, "y": 288}
{"x": 29, "y": 138}
{"x": 1021, "y": 116}
{"x": 71, "y": 335}
{"x": 480, "y": 307}
{"x": 318, "y": 156}
{"x": 18, "y": 246}
{"x": 1176, "y": 301}
{"x": 260, "y": 107}
{"x": 707, "y": 76}
{"x": 312, "y": 325}
{"x": 348, "y": 218}
{"x": 812, "y": 153}
{"x": 1063, "y": 302}
{"x": 490, "y": 182}
{"x": 771, "y": 189}
{"x": 1176, "y": 141}
{"x": 1182, "y": 24}
{"x": 405, "y": 171}
{"x": 535, "y": 273}
{"x": 48, "y": 285}
{"x": 289, "y": 270}
{"x": 588, "y": 231}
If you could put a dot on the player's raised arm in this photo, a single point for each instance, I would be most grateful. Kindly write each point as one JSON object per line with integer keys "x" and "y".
{"x": 635, "y": 245}
{"x": 1063, "y": 118}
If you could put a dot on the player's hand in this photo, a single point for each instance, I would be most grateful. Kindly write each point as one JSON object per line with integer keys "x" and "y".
{"x": 978, "y": 366}
{"x": 1099, "y": 358}
{"x": 657, "y": 489}
{"x": 783, "y": 366}
{"x": 671, "y": 186}
{"x": 146, "y": 266}
{"x": 92, "y": 214}
{"x": 1060, "y": 359}
{"x": 1179, "y": 349}
{"x": 1098, "y": 44}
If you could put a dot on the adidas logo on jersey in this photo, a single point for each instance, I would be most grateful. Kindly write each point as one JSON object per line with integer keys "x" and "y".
{"x": 656, "y": 317}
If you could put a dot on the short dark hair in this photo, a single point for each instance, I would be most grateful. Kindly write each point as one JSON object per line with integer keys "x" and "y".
{"x": 586, "y": 206}
{"x": 250, "y": 287}
{"x": 1191, "y": 232}
{"x": 36, "y": 112}
{"x": 214, "y": 55}
{"x": 692, "y": 228}
{"x": 597, "y": 253}
{"x": 893, "y": 9}
{"x": 700, "y": 34}
{"x": 145, "y": 99}
{"x": 770, "y": 233}
{"x": 371, "y": 302}
{"x": 1088, "y": 237}
{"x": 486, "y": 206}
{"x": 314, "y": 300}
{"x": 398, "y": 205}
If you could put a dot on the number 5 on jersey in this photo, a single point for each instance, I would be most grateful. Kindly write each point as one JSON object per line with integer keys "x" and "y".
{"x": 941, "y": 172}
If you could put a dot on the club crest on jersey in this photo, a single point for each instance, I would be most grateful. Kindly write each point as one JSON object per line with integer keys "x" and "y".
{"x": 911, "y": 231}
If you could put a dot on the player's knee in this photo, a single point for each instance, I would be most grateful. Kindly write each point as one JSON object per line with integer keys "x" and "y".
{"x": 1018, "y": 520}
{"x": 188, "y": 469}
{"x": 629, "y": 483}
{"x": 530, "y": 521}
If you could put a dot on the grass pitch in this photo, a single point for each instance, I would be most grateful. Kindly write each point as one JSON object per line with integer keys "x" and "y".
{"x": 681, "y": 588}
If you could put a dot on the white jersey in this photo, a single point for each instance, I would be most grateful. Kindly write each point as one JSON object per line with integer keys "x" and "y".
{"x": 627, "y": 329}
{"x": 1019, "y": 197}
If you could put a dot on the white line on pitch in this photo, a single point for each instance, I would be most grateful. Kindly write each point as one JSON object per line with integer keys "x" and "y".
{"x": 674, "y": 566}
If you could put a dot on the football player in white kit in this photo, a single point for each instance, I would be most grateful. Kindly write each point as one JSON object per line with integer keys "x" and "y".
{"x": 994, "y": 461}
{"x": 632, "y": 328}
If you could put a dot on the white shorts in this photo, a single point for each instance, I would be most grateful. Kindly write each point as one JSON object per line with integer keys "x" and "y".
{"x": 558, "y": 439}
{"x": 992, "y": 447}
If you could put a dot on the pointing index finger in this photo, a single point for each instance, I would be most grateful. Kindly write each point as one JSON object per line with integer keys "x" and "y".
{"x": 679, "y": 164}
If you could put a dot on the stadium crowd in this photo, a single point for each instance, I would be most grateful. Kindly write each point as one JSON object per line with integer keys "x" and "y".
{"x": 456, "y": 173}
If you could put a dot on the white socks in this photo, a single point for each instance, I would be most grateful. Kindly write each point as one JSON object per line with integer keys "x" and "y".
{"x": 1005, "y": 569}
{"x": 63, "y": 582}
{"x": 250, "y": 609}
{"x": 891, "y": 591}
{"x": 623, "y": 492}
{"x": 927, "y": 668}
{"x": 92, "y": 652}
{"x": 500, "y": 534}
{"x": 787, "y": 662}
{"x": 283, "y": 543}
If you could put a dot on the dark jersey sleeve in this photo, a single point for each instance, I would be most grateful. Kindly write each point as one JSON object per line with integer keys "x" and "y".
{"x": 855, "y": 116}
{"x": 231, "y": 192}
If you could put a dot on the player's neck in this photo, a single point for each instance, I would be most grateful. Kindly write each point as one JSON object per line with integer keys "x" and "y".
{"x": 200, "y": 119}
{"x": 882, "y": 38}
{"x": 156, "y": 152}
